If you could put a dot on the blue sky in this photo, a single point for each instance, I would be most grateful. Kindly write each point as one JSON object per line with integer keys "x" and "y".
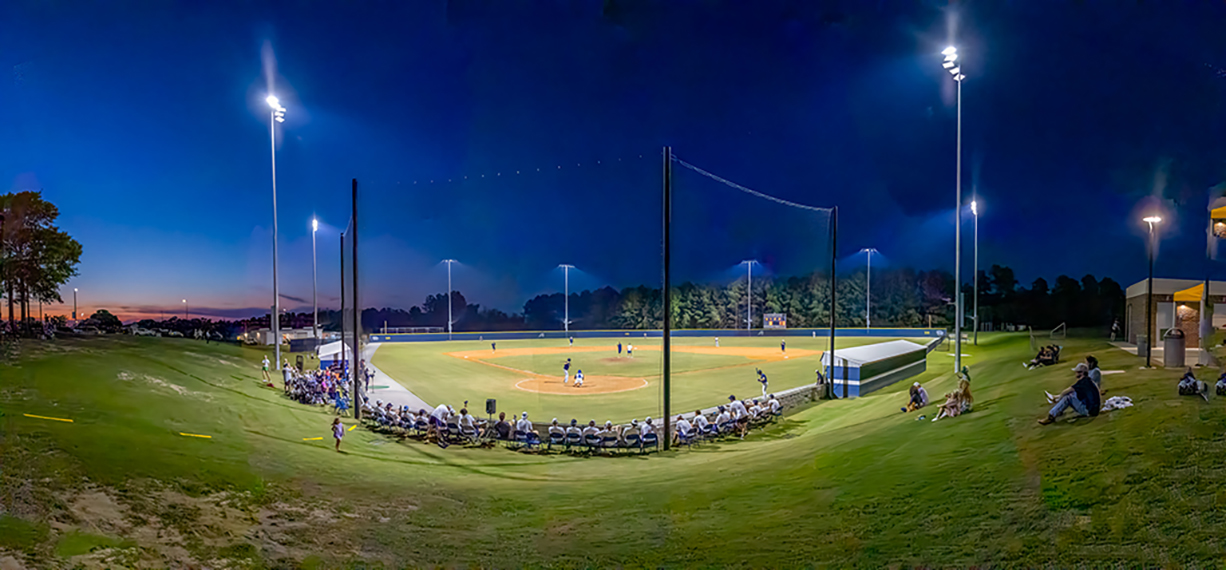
{"x": 147, "y": 127}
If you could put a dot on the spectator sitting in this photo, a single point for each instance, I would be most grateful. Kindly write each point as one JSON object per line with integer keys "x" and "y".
{"x": 722, "y": 418}
{"x": 957, "y": 402}
{"x": 555, "y": 429}
{"x": 648, "y": 427}
{"x": 468, "y": 424}
{"x": 1043, "y": 358}
{"x": 1096, "y": 375}
{"x": 684, "y": 430}
{"x": 591, "y": 429}
{"x": 502, "y": 429}
{"x": 1190, "y": 386}
{"x": 700, "y": 421}
{"x": 1082, "y": 396}
{"x": 919, "y": 398}
{"x": 525, "y": 426}
{"x": 573, "y": 430}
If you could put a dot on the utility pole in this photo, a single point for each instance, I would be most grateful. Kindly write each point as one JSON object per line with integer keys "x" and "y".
{"x": 668, "y": 304}
{"x": 357, "y": 315}
{"x": 834, "y": 247}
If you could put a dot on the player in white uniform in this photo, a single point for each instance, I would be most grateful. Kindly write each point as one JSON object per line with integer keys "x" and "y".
{"x": 579, "y": 378}
{"x": 630, "y": 350}
{"x": 716, "y": 342}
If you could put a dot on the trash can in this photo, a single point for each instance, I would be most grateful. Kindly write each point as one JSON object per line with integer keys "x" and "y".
{"x": 1142, "y": 345}
{"x": 1173, "y": 345}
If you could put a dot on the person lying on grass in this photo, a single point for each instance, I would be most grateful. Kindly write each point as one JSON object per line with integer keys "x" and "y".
{"x": 957, "y": 402}
{"x": 919, "y": 398}
{"x": 1190, "y": 386}
{"x": 1083, "y": 397}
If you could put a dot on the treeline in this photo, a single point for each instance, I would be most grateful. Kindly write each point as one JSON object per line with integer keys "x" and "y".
{"x": 900, "y": 297}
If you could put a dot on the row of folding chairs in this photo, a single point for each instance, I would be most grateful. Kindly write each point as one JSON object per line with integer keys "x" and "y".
{"x": 593, "y": 443}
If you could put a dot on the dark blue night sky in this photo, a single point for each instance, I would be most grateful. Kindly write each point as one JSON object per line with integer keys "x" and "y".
{"x": 145, "y": 123}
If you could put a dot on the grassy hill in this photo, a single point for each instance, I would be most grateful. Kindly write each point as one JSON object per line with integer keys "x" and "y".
{"x": 844, "y": 483}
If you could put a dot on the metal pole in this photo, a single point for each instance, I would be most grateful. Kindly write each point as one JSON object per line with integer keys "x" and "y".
{"x": 74, "y": 305}
{"x": 834, "y": 241}
{"x": 868, "y": 292}
{"x": 314, "y": 285}
{"x": 566, "y": 299}
{"x": 976, "y": 213}
{"x": 1149, "y": 300}
{"x": 958, "y": 243}
{"x": 668, "y": 304}
{"x": 341, "y": 319}
{"x": 749, "y": 298}
{"x": 449, "y": 300}
{"x": 276, "y": 293}
{"x": 357, "y": 314}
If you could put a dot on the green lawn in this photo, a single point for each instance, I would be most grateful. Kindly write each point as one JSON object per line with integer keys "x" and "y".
{"x": 700, "y": 380}
{"x": 839, "y": 484}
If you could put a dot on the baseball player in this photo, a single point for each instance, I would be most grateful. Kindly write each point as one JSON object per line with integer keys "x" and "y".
{"x": 630, "y": 350}
{"x": 783, "y": 346}
{"x": 493, "y": 347}
{"x": 572, "y": 341}
{"x": 579, "y": 378}
{"x": 763, "y": 381}
{"x": 566, "y": 371}
{"x": 716, "y": 342}
{"x": 619, "y": 349}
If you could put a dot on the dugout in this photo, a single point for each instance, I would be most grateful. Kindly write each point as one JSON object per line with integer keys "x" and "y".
{"x": 333, "y": 353}
{"x": 875, "y": 366}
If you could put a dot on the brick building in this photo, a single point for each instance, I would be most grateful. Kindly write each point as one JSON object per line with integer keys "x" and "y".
{"x": 1177, "y": 303}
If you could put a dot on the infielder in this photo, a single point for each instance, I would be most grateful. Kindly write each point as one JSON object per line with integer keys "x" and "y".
{"x": 716, "y": 342}
{"x": 763, "y": 381}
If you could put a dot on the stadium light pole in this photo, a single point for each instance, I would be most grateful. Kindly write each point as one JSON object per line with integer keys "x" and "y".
{"x": 276, "y": 115}
{"x": 748, "y": 263}
{"x": 868, "y": 288}
{"x": 566, "y": 279}
{"x": 975, "y": 310}
{"x": 74, "y": 303}
{"x": 1149, "y": 290}
{"x": 314, "y": 282}
{"x": 449, "y": 262}
{"x": 950, "y": 64}
{"x": 186, "y": 310}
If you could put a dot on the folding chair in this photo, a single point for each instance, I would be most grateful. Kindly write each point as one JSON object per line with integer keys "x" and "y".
{"x": 573, "y": 439}
{"x": 725, "y": 429}
{"x": 710, "y": 432}
{"x": 421, "y": 427}
{"x": 685, "y": 437}
{"x": 608, "y": 442}
{"x": 556, "y": 437}
{"x": 650, "y": 440}
{"x": 472, "y": 434}
{"x": 453, "y": 431}
{"x": 633, "y": 441}
{"x": 591, "y": 441}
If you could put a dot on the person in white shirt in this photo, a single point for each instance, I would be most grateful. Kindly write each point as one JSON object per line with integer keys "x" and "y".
{"x": 468, "y": 424}
{"x": 740, "y": 414}
{"x": 755, "y": 411}
{"x": 438, "y": 419}
{"x": 632, "y": 429}
{"x": 722, "y": 418}
{"x": 609, "y": 436}
{"x": 525, "y": 426}
{"x": 591, "y": 429}
{"x": 648, "y": 427}
{"x": 774, "y": 404}
{"x": 579, "y": 378}
{"x": 683, "y": 429}
{"x": 267, "y": 378}
{"x": 556, "y": 431}
{"x": 700, "y": 421}
{"x": 716, "y": 342}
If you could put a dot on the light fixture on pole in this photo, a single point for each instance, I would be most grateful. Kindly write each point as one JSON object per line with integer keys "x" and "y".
{"x": 74, "y": 303}
{"x": 748, "y": 263}
{"x": 566, "y": 314}
{"x": 314, "y": 281}
{"x": 276, "y": 115}
{"x": 950, "y": 64}
{"x": 449, "y": 320}
{"x": 868, "y": 288}
{"x": 975, "y": 310}
{"x": 186, "y": 312}
{"x": 1149, "y": 290}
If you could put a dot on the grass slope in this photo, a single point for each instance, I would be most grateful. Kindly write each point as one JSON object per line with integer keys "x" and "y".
{"x": 843, "y": 483}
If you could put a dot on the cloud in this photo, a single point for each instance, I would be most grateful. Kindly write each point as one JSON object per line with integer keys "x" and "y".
{"x": 294, "y": 299}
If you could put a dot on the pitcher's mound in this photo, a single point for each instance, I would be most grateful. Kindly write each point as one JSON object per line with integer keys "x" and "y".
{"x": 591, "y": 385}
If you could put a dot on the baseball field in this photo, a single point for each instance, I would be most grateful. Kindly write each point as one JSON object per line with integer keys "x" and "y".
{"x": 528, "y": 375}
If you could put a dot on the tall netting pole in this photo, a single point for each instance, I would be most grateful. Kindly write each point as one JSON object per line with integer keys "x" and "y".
{"x": 357, "y": 314}
{"x": 834, "y": 247}
{"x": 668, "y": 304}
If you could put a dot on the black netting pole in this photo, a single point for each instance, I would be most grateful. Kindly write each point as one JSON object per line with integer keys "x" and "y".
{"x": 356, "y": 366}
{"x": 834, "y": 246}
{"x": 668, "y": 305}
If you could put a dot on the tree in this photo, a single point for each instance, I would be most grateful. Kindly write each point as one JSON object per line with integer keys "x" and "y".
{"x": 104, "y": 320}
{"x": 36, "y": 256}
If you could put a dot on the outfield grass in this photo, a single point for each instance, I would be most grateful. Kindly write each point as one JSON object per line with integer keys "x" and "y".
{"x": 840, "y": 484}
{"x": 699, "y": 381}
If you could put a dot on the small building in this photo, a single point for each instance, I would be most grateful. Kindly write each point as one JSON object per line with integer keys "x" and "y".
{"x": 1177, "y": 304}
{"x": 874, "y": 366}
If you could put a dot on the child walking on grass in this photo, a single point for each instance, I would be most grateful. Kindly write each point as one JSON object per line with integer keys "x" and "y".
{"x": 338, "y": 432}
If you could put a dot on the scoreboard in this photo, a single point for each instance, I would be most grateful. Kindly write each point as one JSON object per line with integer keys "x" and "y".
{"x": 775, "y": 321}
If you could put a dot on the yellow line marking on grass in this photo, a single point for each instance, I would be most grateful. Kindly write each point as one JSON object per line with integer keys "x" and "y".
{"x": 311, "y": 438}
{"x": 195, "y": 435}
{"x": 47, "y": 418}
{"x": 351, "y": 427}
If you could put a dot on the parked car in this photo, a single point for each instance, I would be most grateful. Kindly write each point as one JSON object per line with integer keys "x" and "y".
{"x": 176, "y": 334}
{"x": 88, "y": 331}
{"x": 144, "y": 332}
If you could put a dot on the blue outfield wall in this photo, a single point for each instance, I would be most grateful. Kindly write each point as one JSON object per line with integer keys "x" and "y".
{"x": 729, "y": 333}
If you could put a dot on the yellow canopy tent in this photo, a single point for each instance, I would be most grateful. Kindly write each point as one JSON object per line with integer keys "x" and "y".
{"x": 1190, "y": 295}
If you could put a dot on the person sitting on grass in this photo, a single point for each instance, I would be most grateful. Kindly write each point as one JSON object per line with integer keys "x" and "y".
{"x": 684, "y": 430}
{"x": 1082, "y": 396}
{"x": 1096, "y": 375}
{"x": 919, "y": 398}
{"x": 1043, "y": 358}
{"x": 1190, "y": 386}
{"x": 957, "y": 402}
